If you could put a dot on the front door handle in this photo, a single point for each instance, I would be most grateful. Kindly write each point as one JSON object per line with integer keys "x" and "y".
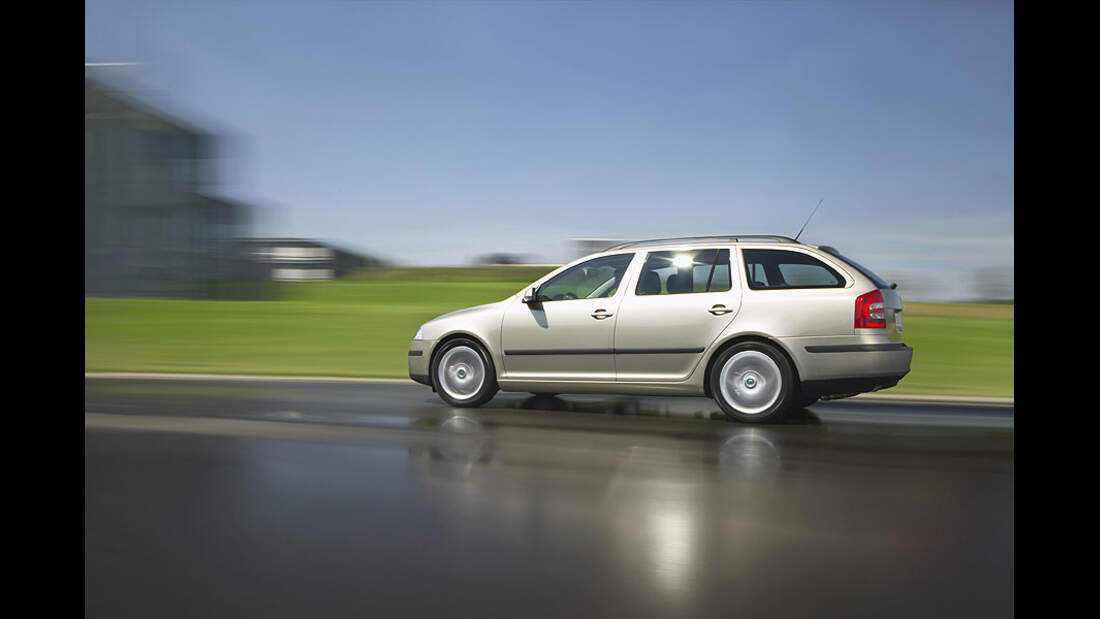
{"x": 719, "y": 309}
{"x": 600, "y": 314}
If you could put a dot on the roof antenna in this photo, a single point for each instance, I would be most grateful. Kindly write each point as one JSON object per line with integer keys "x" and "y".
{"x": 809, "y": 218}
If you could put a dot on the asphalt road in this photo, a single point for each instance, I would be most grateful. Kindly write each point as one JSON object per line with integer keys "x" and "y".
{"x": 290, "y": 499}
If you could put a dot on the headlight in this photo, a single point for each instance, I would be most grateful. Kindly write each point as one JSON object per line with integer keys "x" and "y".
{"x": 419, "y": 334}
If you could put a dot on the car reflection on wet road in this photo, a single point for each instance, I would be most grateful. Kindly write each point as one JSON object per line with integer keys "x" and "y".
{"x": 291, "y": 499}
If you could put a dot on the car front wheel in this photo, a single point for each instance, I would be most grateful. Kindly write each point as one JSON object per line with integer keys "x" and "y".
{"x": 463, "y": 374}
{"x": 753, "y": 383}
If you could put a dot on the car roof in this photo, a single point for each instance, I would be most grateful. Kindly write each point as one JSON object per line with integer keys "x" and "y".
{"x": 705, "y": 240}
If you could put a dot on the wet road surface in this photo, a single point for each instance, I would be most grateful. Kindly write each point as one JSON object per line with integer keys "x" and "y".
{"x": 237, "y": 498}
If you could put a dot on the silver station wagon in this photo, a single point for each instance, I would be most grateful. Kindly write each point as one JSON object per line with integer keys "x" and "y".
{"x": 763, "y": 324}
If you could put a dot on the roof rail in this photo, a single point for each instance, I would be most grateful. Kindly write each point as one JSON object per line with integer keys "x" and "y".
{"x": 706, "y": 239}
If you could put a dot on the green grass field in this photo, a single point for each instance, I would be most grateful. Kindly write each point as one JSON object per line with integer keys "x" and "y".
{"x": 361, "y": 326}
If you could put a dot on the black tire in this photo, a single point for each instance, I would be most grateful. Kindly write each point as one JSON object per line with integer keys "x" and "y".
{"x": 785, "y": 399}
{"x": 488, "y": 387}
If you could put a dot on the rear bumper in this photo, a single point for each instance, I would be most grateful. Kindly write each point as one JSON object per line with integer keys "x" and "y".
{"x": 834, "y": 365}
{"x": 848, "y": 386}
{"x": 842, "y": 348}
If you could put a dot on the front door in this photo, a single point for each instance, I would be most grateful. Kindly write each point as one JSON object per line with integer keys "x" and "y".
{"x": 569, "y": 335}
{"x": 683, "y": 300}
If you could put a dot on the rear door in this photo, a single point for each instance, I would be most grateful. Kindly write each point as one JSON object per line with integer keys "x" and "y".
{"x": 681, "y": 302}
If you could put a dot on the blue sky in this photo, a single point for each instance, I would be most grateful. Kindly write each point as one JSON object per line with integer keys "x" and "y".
{"x": 432, "y": 132}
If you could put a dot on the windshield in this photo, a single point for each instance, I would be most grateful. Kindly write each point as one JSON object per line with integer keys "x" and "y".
{"x": 868, "y": 273}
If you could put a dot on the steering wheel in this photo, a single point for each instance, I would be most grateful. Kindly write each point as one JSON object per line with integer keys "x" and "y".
{"x": 565, "y": 296}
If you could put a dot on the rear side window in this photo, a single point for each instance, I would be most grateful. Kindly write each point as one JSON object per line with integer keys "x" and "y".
{"x": 679, "y": 272}
{"x": 770, "y": 269}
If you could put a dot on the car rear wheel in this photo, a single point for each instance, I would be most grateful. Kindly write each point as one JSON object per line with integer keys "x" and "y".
{"x": 753, "y": 383}
{"x": 463, "y": 374}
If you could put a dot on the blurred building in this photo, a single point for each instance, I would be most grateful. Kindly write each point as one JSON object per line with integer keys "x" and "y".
{"x": 915, "y": 286}
{"x": 151, "y": 227}
{"x": 994, "y": 283}
{"x": 502, "y": 258}
{"x": 304, "y": 259}
{"x": 581, "y": 247}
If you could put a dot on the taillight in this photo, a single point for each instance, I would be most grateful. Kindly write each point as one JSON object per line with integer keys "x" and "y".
{"x": 870, "y": 311}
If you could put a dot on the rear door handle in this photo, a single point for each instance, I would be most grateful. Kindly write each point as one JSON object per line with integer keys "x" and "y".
{"x": 719, "y": 309}
{"x": 600, "y": 314}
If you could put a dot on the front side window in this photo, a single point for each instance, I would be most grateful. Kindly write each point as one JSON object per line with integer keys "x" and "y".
{"x": 678, "y": 272}
{"x": 768, "y": 269}
{"x": 596, "y": 278}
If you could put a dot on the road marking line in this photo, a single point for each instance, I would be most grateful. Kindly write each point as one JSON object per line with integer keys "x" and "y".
{"x": 937, "y": 399}
{"x": 250, "y": 428}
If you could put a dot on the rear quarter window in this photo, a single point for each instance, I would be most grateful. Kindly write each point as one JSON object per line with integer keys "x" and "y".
{"x": 868, "y": 273}
{"x": 776, "y": 269}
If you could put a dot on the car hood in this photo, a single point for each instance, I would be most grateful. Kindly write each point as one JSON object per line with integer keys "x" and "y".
{"x": 468, "y": 310}
{"x": 462, "y": 319}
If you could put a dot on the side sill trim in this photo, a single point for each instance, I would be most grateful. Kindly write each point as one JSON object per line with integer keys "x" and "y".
{"x": 605, "y": 351}
{"x": 658, "y": 351}
{"x": 562, "y": 351}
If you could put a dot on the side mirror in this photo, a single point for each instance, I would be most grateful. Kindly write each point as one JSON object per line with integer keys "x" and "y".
{"x": 533, "y": 298}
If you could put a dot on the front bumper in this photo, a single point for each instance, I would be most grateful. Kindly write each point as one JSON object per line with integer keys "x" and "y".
{"x": 420, "y": 354}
